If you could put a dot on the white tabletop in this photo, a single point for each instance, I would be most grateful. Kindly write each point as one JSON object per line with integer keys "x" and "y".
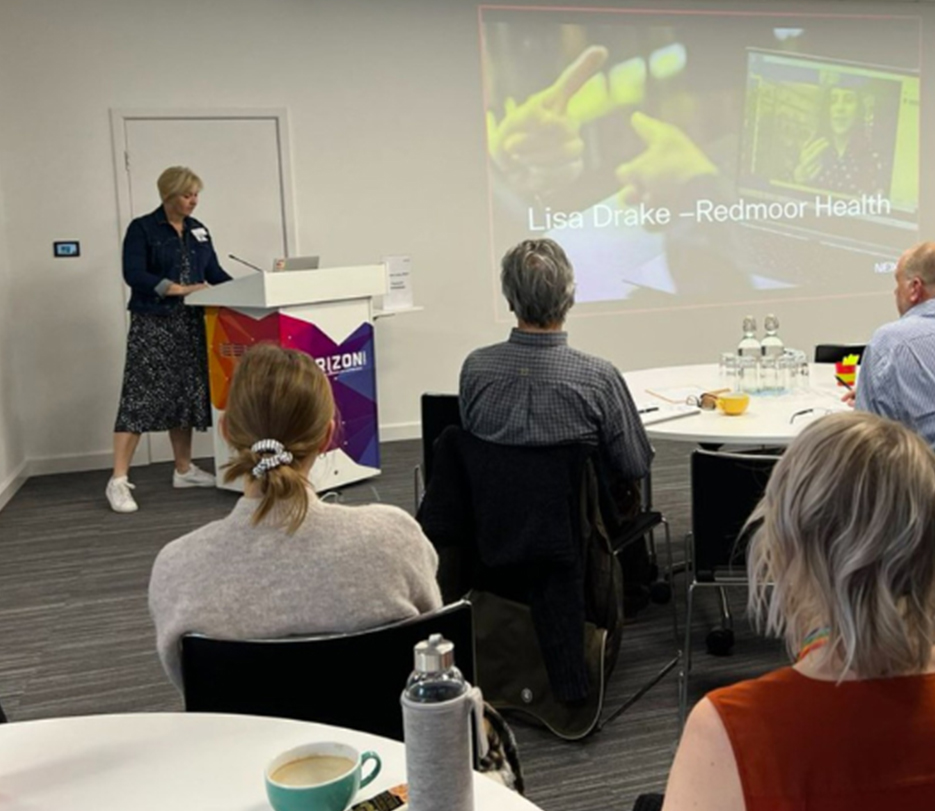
{"x": 176, "y": 761}
{"x": 766, "y": 421}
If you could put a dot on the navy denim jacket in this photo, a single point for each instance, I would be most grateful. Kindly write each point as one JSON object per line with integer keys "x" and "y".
{"x": 152, "y": 259}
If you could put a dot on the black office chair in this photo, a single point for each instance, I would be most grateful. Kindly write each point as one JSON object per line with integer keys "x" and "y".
{"x": 725, "y": 489}
{"x": 649, "y": 802}
{"x": 438, "y": 411}
{"x": 349, "y": 680}
{"x": 641, "y": 528}
{"x": 518, "y": 529}
{"x": 834, "y": 353}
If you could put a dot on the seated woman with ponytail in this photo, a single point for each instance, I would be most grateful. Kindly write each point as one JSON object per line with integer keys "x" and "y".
{"x": 284, "y": 562}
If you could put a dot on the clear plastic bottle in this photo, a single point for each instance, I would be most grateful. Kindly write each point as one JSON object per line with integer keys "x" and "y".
{"x": 772, "y": 343}
{"x": 749, "y": 346}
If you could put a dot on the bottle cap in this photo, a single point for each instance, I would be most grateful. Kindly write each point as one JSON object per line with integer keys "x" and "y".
{"x": 434, "y": 654}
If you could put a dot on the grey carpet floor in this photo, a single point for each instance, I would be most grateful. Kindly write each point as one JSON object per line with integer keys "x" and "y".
{"x": 76, "y": 638}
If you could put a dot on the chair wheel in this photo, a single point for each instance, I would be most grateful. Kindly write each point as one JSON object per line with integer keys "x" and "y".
{"x": 660, "y": 592}
{"x": 720, "y": 641}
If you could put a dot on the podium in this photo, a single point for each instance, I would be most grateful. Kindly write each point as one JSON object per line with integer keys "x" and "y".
{"x": 326, "y": 313}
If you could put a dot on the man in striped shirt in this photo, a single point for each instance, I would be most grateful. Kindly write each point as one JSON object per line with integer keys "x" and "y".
{"x": 897, "y": 373}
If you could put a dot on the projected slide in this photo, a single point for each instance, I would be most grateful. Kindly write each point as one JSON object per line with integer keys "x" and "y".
{"x": 693, "y": 158}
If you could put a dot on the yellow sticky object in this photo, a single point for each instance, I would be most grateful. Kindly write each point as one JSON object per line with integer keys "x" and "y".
{"x": 850, "y": 360}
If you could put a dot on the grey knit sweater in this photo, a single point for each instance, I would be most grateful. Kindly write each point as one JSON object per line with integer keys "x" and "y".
{"x": 345, "y": 569}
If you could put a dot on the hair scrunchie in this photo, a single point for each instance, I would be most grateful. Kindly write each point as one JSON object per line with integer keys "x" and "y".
{"x": 280, "y": 456}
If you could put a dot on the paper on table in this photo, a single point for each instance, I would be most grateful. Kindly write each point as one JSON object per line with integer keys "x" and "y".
{"x": 668, "y": 413}
{"x": 398, "y": 283}
{"x": 653, "y": 412}
{"x": 677, "y": 394}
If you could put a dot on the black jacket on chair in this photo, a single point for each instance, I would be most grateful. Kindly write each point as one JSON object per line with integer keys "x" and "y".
{"x": 514, "y": 521}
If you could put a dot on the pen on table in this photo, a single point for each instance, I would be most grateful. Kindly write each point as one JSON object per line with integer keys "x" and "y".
{"x": 648, "y": 410}
{"x": 844, "y": 383}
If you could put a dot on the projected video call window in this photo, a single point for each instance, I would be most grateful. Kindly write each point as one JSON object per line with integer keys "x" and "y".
{"x": 686, "y": 158}
{"x": 832, "y": 127}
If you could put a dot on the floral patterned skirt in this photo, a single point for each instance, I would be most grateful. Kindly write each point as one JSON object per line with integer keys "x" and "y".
{"x": 165, "y": 380}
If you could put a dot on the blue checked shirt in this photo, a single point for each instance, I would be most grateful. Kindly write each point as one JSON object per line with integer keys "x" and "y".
{"x": 897, "y": 371}
{"x": 536, "y": 390}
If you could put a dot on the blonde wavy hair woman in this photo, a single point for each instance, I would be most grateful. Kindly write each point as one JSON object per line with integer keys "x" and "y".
{"x": 284, "y": 562}
{"x": 167, "y": 255}
{"x": 842, "y": 566}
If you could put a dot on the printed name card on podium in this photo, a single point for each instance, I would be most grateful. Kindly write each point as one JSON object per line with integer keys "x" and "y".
{"x": 326, "y": 313}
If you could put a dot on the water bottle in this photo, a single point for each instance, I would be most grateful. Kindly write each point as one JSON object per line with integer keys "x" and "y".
{"x": 749, "y": 346}
{"x": 438, "y": 705}
{"x": 772, "y": 343}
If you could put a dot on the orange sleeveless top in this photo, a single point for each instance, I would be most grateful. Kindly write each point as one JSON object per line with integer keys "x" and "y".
{"x": 803, "y": 744}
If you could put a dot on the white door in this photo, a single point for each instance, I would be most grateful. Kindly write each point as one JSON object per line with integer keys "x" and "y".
{"x": 244, "y": 204}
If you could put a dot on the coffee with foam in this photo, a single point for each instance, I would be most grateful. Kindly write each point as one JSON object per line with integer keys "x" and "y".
{"x": 312, "y": 770}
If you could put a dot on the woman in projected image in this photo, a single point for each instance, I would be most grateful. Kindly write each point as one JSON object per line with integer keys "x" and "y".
{"x": 283, "y": 561}
{"x": 840, "y": 157}
{"x": 842, "y": 566}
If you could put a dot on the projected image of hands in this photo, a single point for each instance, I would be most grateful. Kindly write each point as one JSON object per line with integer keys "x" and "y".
{"x": 537, "y": 144}
{"x": 659, "y": 173}
{"x": 700, "y": 157}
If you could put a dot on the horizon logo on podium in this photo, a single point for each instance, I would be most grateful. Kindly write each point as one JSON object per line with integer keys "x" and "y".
{"x": 348, "y": 365}
{"x": 333, "y": 365}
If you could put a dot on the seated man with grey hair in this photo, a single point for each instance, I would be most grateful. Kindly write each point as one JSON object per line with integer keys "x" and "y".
{"x": 534, "y": 389}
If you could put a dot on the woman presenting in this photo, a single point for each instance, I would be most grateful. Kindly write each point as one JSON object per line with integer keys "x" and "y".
{"x": 166, "y": 255}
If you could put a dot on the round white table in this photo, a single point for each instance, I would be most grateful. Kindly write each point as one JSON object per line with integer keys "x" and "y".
{"x": 177, "y": 761}
{"x": 766, "y": 421}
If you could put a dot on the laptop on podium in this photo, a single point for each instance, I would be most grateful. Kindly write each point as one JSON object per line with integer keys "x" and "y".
{"x": 295, "y": 263}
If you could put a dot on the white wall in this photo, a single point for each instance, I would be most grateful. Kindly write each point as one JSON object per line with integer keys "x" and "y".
{"x": 382, "y": 94}
{"x": 12, "y": 450}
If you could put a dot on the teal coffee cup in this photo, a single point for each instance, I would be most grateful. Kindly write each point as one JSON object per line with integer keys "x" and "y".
{"x": 318, "y": 777}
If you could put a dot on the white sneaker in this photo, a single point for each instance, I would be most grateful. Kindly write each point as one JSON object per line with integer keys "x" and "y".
{"x": 193, "y": 477}
{"x": 119, "y": 495}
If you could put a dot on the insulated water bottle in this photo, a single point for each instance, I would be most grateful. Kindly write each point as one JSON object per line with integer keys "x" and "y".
{"x": 438, "y": 708}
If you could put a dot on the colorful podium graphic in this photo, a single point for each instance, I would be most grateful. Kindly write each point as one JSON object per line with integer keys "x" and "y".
{"x": 326, "y": 313}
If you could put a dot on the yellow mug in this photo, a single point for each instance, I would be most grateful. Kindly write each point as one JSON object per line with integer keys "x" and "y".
{"x": 734, "y": 403}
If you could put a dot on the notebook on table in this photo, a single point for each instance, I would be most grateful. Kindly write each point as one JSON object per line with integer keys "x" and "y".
{"x": 652, "y": 412}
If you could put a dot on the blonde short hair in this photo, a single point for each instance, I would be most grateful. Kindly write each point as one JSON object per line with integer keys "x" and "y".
{"x": 845, "y": 538}
{"x": 178, "y": 180}
{"x": 278, "y": 394}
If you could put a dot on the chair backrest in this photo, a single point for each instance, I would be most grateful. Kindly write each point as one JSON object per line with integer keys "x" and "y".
{"x": 438, "y": 412}
{"x": 349, "y": 680}
{"x": 725, "y": 489}
{"x": 833, "y": 353}
{"x": 523, "y": 523}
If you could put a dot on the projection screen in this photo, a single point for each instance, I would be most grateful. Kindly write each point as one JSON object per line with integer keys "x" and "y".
{"x": 691, "y": 158}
